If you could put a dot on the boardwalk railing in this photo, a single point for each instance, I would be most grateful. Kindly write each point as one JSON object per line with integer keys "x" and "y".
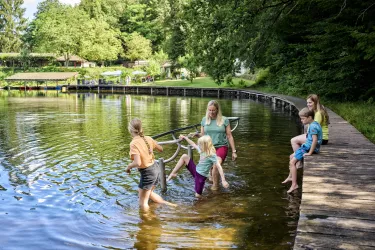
{"x": 177, "y": 141}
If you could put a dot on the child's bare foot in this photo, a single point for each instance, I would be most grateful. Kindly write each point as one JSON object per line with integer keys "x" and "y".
{"x": 287, "y": 180}
{"x": 170, "y": 176}
{"x": 198, "y": 195}
{"x": 214, "y": 187}
{"x": 225, "y": 184}
{"x": 292, "y": 188}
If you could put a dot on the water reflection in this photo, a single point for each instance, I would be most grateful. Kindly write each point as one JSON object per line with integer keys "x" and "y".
{"x": 150, "y": 230}
{"x": 62, "y": 161}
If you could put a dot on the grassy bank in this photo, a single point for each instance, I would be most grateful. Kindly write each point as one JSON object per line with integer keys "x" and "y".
{"x": 200, "y": 82}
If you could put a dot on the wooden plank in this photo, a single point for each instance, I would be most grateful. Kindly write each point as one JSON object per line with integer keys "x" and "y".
{"x": 310, "y": 241}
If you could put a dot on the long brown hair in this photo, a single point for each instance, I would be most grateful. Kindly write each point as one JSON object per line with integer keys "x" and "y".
{"x": 135, "y": 127}
{"x": 319, "y": 107}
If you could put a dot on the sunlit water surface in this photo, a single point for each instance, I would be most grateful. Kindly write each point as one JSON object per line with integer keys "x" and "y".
{"x": 63, "y": 184}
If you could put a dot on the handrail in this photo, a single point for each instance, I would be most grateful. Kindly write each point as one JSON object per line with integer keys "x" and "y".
{"x": 177, "y": 141}
{"x": 179, "y": 146}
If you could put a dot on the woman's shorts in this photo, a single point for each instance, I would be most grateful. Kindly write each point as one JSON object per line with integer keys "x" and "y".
{"x": 150, "y": 176}
{"x": 222, "y": 152}
{"x": 198, "y": 179}
{"x": 324, "y": 142}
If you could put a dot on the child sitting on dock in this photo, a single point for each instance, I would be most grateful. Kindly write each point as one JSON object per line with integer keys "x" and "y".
{"x": 201, "y": 171}
{"x": 314, "y": 139}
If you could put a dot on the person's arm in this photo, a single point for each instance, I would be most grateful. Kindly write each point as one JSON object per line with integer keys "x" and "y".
{"x": 221, "y": 172}
{"x": 313, "y": 145}
{"x": 230, "y": 138}
{"x": 136, "y": 163}
{"x": 189, "y": 141}
{"x": 158, "y": 147}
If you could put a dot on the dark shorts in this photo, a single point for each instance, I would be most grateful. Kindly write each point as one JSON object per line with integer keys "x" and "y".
{"x": 198, "y": 179}
{"x": 324, "y": 142}
{"x": 222, "y": 152}
{"x": 150, "y": 176}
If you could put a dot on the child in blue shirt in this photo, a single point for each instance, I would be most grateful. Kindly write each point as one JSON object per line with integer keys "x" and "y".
{"x": 314, "y": 139}
{"x": 201, "y": 171}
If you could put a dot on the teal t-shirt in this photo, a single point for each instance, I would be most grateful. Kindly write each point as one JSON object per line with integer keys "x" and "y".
{"x": 217, "y": 134}
{"x": 205, "y": 163}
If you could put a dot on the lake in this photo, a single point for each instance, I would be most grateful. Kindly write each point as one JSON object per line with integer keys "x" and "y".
{"x": 63, "y": 184}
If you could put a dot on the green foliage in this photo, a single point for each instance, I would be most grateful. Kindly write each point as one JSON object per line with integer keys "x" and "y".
{"x": 323, "y": 47}
{"x": 190, "y": 63}
{"x": 153, "y": 68}
{"x": 143, "y": 19}
{"x": 359, "y": 114}
{"x": 101, "y": 43}
{"x": 12, "y": 25}
{"x": 261, "y": 77}
{"x": 229, "y": 80}
{"x": 138, "y": 47}
{"x": 242, "y": 83}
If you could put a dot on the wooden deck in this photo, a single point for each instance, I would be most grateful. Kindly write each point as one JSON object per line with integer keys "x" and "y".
{"x": 338, "y": 192}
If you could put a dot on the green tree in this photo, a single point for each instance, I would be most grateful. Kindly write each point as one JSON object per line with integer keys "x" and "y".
{"x": 107, "y": 10}
{"x": 12, "y": 24}
{"x": 153, "y": 68}
{"x": 137, "y": 47}
{"x": 143, "y": 19}
{"x": 101, "y": 43}
{"x": 190, "y": 63}
{"x": 61, "y": 30}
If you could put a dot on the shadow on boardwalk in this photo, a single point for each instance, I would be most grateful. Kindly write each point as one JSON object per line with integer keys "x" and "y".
{"x": 338, "y": 192}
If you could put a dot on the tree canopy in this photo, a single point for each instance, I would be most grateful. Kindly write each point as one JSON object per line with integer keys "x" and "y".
{"x": 300, "y": 46}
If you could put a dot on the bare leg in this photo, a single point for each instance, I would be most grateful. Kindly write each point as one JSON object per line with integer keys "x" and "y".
{"x": 293, "y": 171}
{"x": 289, "y": 178}
{"x": 144, "y": 196}
{"x": 158, "y": 199}
{"x": 216, "y": 176}
{"x": 297, "y": 141}
{"x": 183, "y": 161}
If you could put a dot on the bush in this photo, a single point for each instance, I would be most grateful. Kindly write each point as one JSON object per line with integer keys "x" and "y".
{"x": 242, "y": 83}
{"x": 262, "y": 76}
{"x": 229, "y": 80}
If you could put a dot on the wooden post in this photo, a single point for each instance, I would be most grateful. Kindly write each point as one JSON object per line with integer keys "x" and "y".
{"x": 163, "y": 181}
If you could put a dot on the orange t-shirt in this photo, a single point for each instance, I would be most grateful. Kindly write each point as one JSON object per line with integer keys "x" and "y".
{"x": 139, "y": 147}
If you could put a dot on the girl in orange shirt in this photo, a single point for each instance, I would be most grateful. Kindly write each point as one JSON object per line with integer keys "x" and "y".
{"x": 141, "y": 152}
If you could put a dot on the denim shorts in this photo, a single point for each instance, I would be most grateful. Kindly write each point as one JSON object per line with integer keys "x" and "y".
{"x": 300, "y": 152}
{"x": 150, "y": 176}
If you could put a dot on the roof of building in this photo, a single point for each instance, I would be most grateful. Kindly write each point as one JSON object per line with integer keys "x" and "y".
{"x": 73, "y": 58}
{"x": 42, "y": 76}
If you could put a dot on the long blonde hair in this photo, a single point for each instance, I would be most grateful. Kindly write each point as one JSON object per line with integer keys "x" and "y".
{"x": 319, "y": 107}
{"x": 219, "y": 116}
{"x": 135, "y": 127}
{"x": 206, "y": 146}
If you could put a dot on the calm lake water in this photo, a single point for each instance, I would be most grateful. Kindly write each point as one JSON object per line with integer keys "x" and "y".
{"x": 63, "y": 184}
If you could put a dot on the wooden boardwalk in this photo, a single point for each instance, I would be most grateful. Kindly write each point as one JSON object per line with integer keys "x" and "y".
{"x": 338, "y": 192}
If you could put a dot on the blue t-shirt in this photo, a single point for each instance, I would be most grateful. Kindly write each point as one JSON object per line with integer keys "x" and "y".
{"x": 205, "y": 163}
{"x": 314, "y": 129}
{"x": 217, "y": 133}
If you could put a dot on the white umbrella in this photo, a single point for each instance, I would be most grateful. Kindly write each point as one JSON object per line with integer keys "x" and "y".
{"x": 138, "y": 72}
{"x": 112, "y": 73}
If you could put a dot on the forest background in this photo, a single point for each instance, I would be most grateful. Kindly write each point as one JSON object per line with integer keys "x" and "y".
{"x": 294, "y": 47}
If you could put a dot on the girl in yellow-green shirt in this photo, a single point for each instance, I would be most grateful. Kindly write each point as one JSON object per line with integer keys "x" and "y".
{"x": 320, "y": 115}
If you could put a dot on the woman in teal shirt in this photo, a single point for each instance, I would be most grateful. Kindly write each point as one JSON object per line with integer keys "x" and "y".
{"x": 218, "y": 128}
